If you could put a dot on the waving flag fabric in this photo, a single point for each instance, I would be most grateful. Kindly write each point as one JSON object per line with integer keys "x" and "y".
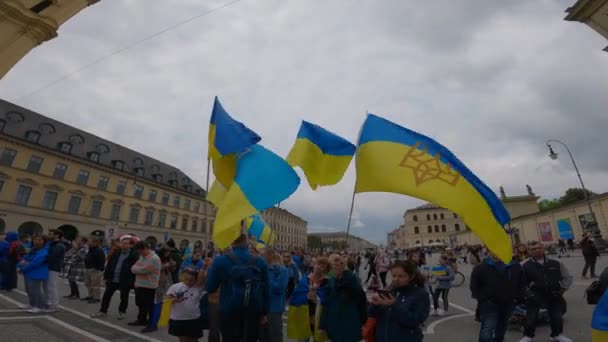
{"x": 599, "y": 322}
{"x": 391, "y": 158}
{"x": 262, "y": 180}
{"x": 322, "y": 155}
{"x": 227, "y": 138}
{"x": 217, "y": 193}
{"x": 257, "y": 227}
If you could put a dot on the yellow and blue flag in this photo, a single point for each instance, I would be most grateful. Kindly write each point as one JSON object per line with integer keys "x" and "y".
{"x": 217, "y": 193}
{"x": 599, "y": 322}
{"x": 227, "y": 138}
{"x": 257, "y": 228}
{"x": 322, "y": 155}
{"x": 262, "y": 180}
{"x": 391, "y": 158}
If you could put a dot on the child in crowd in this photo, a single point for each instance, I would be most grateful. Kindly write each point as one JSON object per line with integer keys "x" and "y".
{"x": 444, "y": 275}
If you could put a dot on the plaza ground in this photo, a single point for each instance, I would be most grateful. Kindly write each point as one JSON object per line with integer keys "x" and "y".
{"x": 72, "y": 322}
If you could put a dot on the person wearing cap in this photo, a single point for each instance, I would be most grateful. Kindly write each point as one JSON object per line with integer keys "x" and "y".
{"x": 56, "y": 256}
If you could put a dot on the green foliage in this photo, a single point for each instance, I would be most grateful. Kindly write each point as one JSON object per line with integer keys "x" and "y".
{"x": 548, "y": 204}
{"x": 314, "y": 242}
{"x": 574, "y": 195}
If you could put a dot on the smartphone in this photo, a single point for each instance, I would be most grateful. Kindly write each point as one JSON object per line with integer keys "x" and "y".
{"x": 384, "y": 294}
{"x": 179, "y": 295}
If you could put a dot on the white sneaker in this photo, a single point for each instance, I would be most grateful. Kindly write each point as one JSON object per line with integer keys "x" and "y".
{"x": 440, "y": 312}
{"x": 34, "y": 310}
{"x": 25, "y": 307}
{"x": 560, "y": 338}
{"x": 526, "y": 339}
{"x": 51, "y": 309}
{"x": 434, "y": 312}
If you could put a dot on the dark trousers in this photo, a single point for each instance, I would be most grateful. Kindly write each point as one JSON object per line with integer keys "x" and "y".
{"x": 383, "y": 278}
{"x": 144, "y": 299}
{"x": 111, "y": 287}
{"x": 9, "y": 278}
{"x": 372, "y": 271}
{"x": 214, "y": 322}
{"x": 74, "y": 291}
{"x": 494, "y": 321}
{"x": 240, "y": 326}
{"x": 444, "y": 296}
{"x": 555, "y": 308}
{"x": 589, "y": 264}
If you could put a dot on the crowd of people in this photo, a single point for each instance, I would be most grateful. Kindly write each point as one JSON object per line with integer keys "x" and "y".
{"x": 242, "y": 293}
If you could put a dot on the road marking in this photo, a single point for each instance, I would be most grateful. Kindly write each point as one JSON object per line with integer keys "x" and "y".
{"x": 431, "y": 328}
{"x": 102, "y": 322}
{"x": 18, "y": 318}
{"x": 11, "y": 311}
{"x": 75, "y": 329}
{"x": 12, "y": 301}
{"x": 462, "y": 308}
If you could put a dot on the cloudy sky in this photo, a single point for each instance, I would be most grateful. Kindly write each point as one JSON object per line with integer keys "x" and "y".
{"x": 492, "y": 80}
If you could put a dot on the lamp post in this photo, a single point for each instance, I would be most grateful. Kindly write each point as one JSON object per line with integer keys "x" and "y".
{"x": 553, "y": 156}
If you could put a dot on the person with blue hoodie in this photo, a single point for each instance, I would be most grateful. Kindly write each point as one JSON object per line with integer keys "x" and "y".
{"x": 278, "y": 278}
{"x": 11, "y": 249}
{"x": 401, "y": 311}
{"x": 35, "y": 269}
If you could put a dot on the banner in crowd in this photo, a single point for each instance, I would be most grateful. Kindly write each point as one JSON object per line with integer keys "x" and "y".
{"x": 544, "y": 230}
{"x": 564, "y": 229}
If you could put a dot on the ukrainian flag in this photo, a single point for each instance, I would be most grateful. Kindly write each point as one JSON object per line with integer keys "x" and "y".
{"x": 217, "y": 193}
{"x": 391, "y": 158}
{"x": 599, "y": 322}
{"x": 227, "y": 138}
{"x": 262, "y": 180}
{"x": 257, "y": 227}
{"x": 322, "y": 155}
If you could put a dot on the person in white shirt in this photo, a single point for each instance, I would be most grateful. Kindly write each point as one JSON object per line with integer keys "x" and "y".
{"x": 185, "y": 319}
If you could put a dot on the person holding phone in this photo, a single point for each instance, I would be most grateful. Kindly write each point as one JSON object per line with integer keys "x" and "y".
{"x": 401, "y": 311}
{"x": 184, "y": 321}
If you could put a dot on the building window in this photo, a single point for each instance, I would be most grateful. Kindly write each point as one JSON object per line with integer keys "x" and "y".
{"x": 102, "y": 148}
{"x": 121, "y": 187}
{"x": 152, "y": 196}
{"x": 83, "y": 177}
{"x": 60, "y": 170}
{"x": 49, "y": 200}
{"x": 7, "y": 157}
{"x": 176, "y": 201}
{"x": 434, "y": 216}
{"x": 2, "y": 124}
{"x": 139, "y": 191}
{"x": 162, "y": 218}
{"x": 197, "y": 206}
{"x": 415, "y": 218}
{"x": 416, "y": 230}
{"x": 1, "y": 184}
{"x": 118, "y": 164}
{"x": 76, "y": 139}
{"x": 165, "y": 199}
{"x": 41, "y": 6}
{"x": 457, "y": 227}
{"x": 23, "y": 195}
{"x": 187, "y": 204}
{"x": 428, "y": 217}
{"x": 32, "y": 136}
{"x": 173, "y": 223}
{"x": 115, "y": 214}
{"x": 443, "y": 228}
{"x": 149, "y": 217}
{"x": 430, "y": 229}
{"x": 65, "y": 147}
{"x": 194, "y": 225}
{"x": 155, "y": 169}
{"x": 184, "y": 223}
{"x": 158, "y": 177}
{"x": 102, "y": 184}
{"x": 455, "y": 216}
{"x": 34, "y": 164}
{"x": 134, "y": 215}
{"x": 74, "y": 205}
{"x": 436, "y": 229}
{"x": 140, "y": 171}
{"x": 441, "y": 216}
{"x": 96, "y": 208}
{"x": 94, "y": 157}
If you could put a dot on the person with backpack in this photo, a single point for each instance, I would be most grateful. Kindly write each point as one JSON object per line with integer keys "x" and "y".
{"x": 245, "y": 292}
{"x": 278, "y": 277}
{"x": 15, "y": 252}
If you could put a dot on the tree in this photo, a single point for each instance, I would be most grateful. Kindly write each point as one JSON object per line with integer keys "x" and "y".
{"x": 574, "y": 195}
{"x": 314, "y": 242}
{"x": 548, "y": 204}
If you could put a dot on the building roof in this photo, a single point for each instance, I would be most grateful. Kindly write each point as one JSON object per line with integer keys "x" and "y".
{"x": 562, "y": 207}
{"x": 17, "y": 122}
{"x": 338, "y": 235}
{"x": 284, "y": 211}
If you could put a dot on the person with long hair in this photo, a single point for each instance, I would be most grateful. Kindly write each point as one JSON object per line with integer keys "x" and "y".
{"x": 35, "y": 269}
{"x": 401, "y": 312}
{"x": 293, "y": 274}
{"x": 185, "y": 318}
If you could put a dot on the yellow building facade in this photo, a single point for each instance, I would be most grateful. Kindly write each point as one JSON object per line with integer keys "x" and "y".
{"x": 290, "y": 230}
{"x": 54, "y": 176}
{"x": 25, "y": 24}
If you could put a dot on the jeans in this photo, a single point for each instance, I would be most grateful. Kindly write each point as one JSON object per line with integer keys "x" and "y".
{"x": 52, "y": 287}
{"x": 555, "y": 308}
{"x": 144, "y": 299}
{"x": 37, "y": 293}
{"x": 444, "y": 296}
{"x": 112, "y": 287}
{"x": 240, "y": 326}
{"x": 74, "y": 291}
{"x": 494, "y": 321}
{"x": 273, "y": 330}
{"x": 589, "y": 264}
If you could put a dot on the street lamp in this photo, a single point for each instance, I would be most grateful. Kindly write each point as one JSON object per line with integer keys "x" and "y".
{"x": 553, "y": 156}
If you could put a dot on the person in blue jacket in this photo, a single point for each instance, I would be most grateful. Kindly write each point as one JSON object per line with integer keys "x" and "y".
{"x": 277, "y": 277}
{"x": 35, "y": 269}
{"x": 195, "y": 260}
{"x": 401, "y": 312}
{"x": 9, "y": 249}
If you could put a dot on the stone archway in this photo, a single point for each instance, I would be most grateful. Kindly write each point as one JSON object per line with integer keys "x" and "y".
{"x": 69, "y": 232}
{"x": 2, "y": 225}
{"x": 30, "y": 228}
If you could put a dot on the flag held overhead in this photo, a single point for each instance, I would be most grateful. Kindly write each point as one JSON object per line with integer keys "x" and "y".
{"x": 322, "y": 155}
{"x": 391, "y": 158}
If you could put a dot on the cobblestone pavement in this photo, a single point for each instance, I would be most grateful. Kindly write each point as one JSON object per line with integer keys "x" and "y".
{"x": 72, "y": 322}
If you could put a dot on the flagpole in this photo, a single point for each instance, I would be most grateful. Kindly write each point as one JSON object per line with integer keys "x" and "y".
{"x": 352, "y": 201}
{"x": 207, "y": 204}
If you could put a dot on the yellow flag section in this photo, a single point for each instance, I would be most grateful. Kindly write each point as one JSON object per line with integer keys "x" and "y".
{"x": 391, "y": 158}
{"x": 165, "y": 313}
{"x": 217, "y": 193}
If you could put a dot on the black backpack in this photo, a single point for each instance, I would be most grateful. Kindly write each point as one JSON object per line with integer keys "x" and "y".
{"x": 594, "y": 292}
{"x": 245, "y": 281}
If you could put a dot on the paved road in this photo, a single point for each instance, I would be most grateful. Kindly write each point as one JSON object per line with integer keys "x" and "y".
{"x": 72, "y": 322}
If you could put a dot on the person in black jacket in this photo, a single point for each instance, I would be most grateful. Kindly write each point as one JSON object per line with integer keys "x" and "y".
{"x": 94, "y": 264}
{"x": 55, "y": 260}
{"x": 118, "y": 276}
{"x": 496, "y": 286}
{"x": 590, "y": 254}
